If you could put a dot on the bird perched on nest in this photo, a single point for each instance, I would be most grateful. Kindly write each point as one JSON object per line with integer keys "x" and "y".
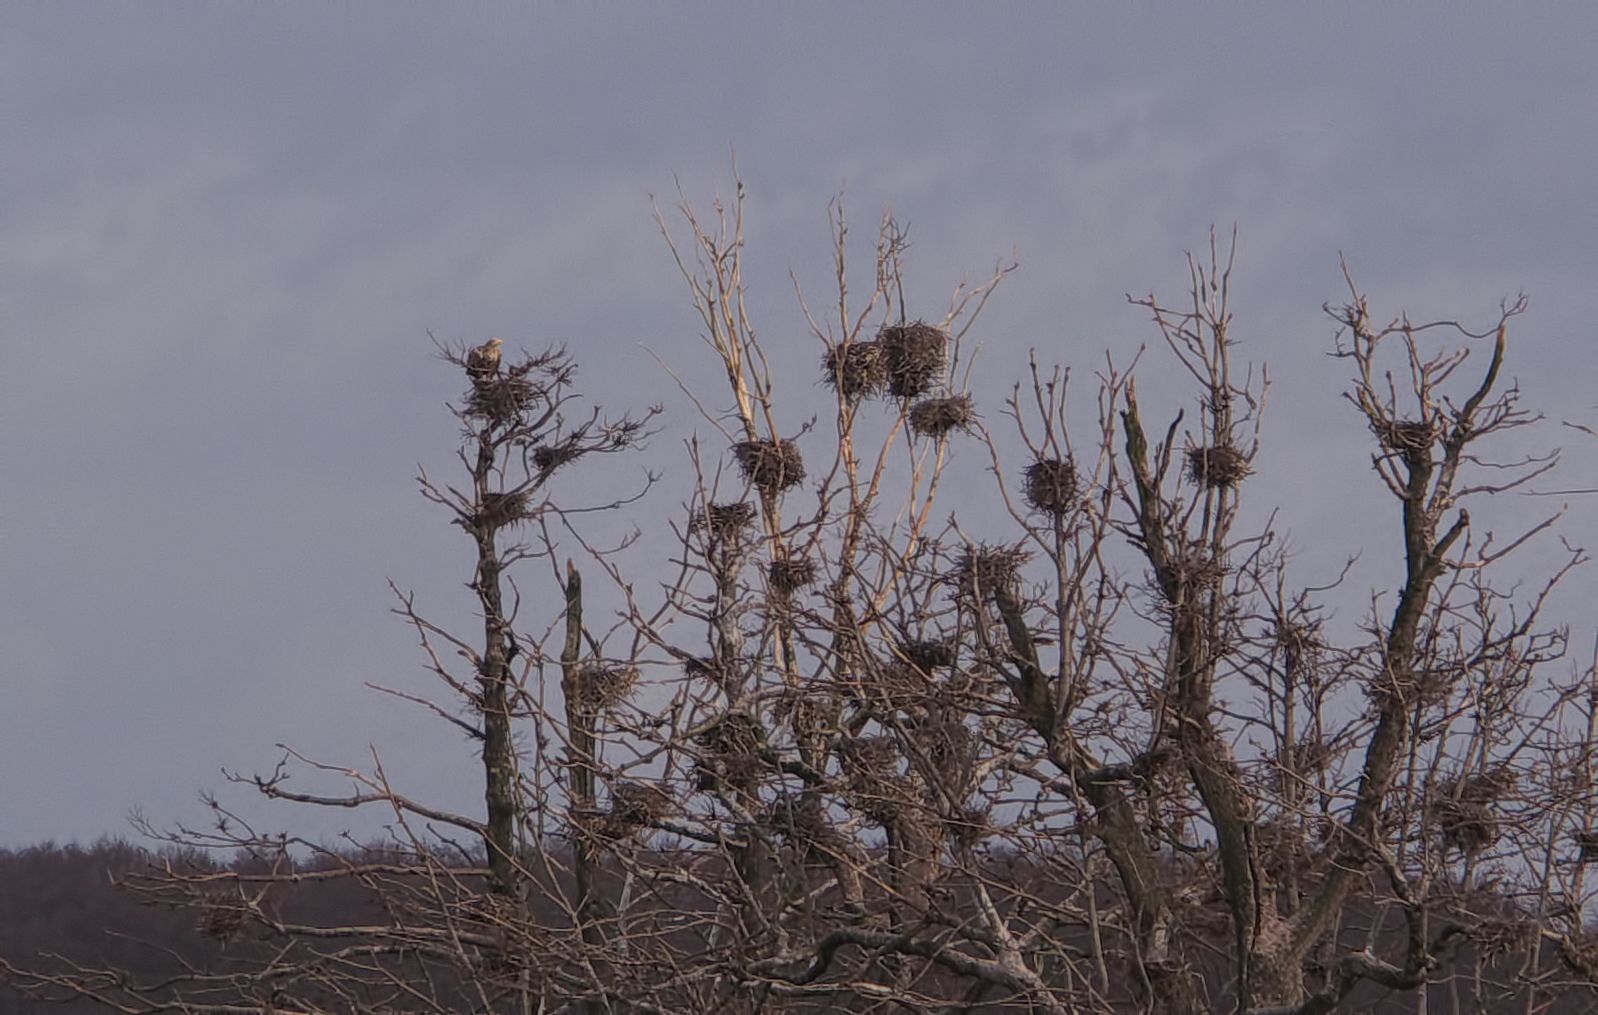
{"x": 482, "y": 362}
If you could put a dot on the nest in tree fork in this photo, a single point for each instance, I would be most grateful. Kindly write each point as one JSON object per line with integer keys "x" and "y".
{"x": 1467, "y": 815}
{"x": 1587, "y": 843}
{"x": 501, "y": 509}
{"x": 936, "y": 417}
{"x": 856, "y": 369}
{"x": 636, "y": 804}
{"x": 916, "y": 355}
{"x": 927, "y": 656}
{"x": 888, "y": 800}
{"x": 1051, "y": 485}
{"x": 549, "y": 457}
{"x": 1405, "y": 435}
{"x": 950, "y": 748}
{"x": 984, "y": 569}
{"x": 877, "y": 755}
{"x": 1218, "y": 467}
{"x": 724, "y": 521}
{"x": 802, "y": 819}
{"x": 772, "y": 466}
{"x": 791, "y": 574}
{"x": 732, "y": 751}
{"x": 222, "y": 920}
{"x": 604, "y": 686}
{"x": 893, "y": 686}
{"x": 500, "y": 398}
{"x": 968, "y": 825}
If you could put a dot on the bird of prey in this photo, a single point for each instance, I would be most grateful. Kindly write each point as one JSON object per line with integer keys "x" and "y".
{"x": 482, "y": 362}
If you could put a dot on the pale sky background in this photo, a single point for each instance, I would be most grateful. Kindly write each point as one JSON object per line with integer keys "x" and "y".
{"x": 227, "y": 228}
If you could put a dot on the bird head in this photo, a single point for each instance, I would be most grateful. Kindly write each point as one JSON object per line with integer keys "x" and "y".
{"x": 496, "y": 342}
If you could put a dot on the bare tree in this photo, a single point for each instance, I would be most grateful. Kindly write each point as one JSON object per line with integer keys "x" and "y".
{"x": 834, "y": 750}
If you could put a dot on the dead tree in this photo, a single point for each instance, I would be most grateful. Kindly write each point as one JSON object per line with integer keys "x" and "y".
{"x": 1090, "y": 745}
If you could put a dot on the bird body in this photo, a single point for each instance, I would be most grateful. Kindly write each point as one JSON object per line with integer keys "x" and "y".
{"x": 482, "y": 362}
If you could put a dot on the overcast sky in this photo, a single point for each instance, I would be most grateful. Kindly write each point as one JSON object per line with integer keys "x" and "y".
{"x": 228, "y": 228}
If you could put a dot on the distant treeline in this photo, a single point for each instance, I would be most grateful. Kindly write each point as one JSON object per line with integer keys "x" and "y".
{"x": 60, "y": 905}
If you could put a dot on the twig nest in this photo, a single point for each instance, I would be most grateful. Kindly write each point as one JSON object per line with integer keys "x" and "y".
{"x": 500, "y": 397}
{"x": 935, "y": 417}
{"x": 791, "y": 574}
{"x": 928, "y": 655}
{"x": 968, "y": 826}
{"x": 855, "y": 369}
{"x": 221, "y": 920}
{"x": 984, "y": 569}
{"x": 724, "y": 521}
{"x": 1218, "y": 467}
{"x": 1051, "y": 485}
{"x": 636, "y": 804}
{"x": 1587, "y": 843}
{"x": 549, "y": 457}
{"x": 706, "y": 668}
{"x": 950, "y": 748}
{"x": 1197, "y": 570}
{"x": 501, "y": 509}
{"x": 877, "y": 755}
{"x": 605, "y": 686}
{"x": 772, "y": 466}
{"x": 887, "y": 800}
{"x": 801, "y": 819}
{"x": 916, "y": 355}
{"x": 1406, "y": 435}
{"x": 894, "y": 686}
{"x": 732, "y": 747}
{"x": 1466, "y": 814}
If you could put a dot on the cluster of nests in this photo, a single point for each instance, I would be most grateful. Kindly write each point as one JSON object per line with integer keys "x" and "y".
{"x": 727, "y": 525}
{"x": 888, "y": 789}
{"x": 905, "y": 362}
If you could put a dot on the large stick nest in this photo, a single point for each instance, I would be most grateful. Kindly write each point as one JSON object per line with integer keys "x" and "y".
{"x": 1051, "y": 485}
{"x": 893, "y": 686}
{"x": 549, "y": 457}
{"x": 772, "y": 466}
{"x": 916, "y": 356}
{"x": 791, "y": 574}
{"x": 1218, "y": 467}
{"x": 984, "y": 569}
{"x": 1407, "y": 436}
{"x": 802, "y": 819}
{"x": 635, "y": 805}
{"x": 878, "y": 755}
{"x": 927, "y": 655}
{"x": 500, "y": 509}
{"x": 732, "y": 749}
{"x": 724, "y": 522}
{"x": 1467, "y": 812}
{"x": 935, "y": 417}
{"x": 605, "y": 686}
{"x": 856, "y": 369}
{"x": 502, "y": 397}
{"x": 1587, "y": 843}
